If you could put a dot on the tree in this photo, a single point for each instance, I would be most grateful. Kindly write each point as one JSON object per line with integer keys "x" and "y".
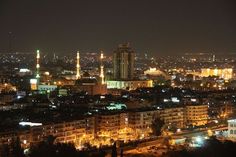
{"x": 121, "y": 152}
{"x": 55, "y": 150}
{"x": 101, "y": 153}
{"x": 17, "y": 150}
{"x": 88, "y": 146}
{"x": 212, "y": 148}
{"x": 114, "y": 151}
{"x": 157, "y": 126}
{"x": 5, "y": 150}
{"x": 50, "y": 140}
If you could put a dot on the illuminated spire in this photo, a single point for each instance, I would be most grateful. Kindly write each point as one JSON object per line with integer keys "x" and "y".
{"x": 78, "y": 66}
{"x": 102, "y": 69}
{"x": 214, "y": 58}
{"x": 37, "y": 64}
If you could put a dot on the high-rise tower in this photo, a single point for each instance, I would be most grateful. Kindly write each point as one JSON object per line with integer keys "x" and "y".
{"x": 78, "y": 66}
{"x": 37, "y": 65}
{"x": 123, "y": 62}
{"x": 102, "y": 69}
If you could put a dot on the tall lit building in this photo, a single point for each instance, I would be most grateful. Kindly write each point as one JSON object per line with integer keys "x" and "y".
{"x": 123, "y": 70}
{"x": 123, "y": 62}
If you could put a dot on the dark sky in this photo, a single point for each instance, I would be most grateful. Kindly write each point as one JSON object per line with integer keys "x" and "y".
{"x": 154, "y": 26}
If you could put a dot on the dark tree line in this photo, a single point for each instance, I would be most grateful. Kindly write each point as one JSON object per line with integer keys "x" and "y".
{"x": 47, "y": 148}
{"x": 12, "y": 150}
{"x": 212, "y": 148}
{"x": 157, "y": 126}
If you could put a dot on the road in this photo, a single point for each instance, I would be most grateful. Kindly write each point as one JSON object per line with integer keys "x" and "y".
{"x": 156, "y": 147}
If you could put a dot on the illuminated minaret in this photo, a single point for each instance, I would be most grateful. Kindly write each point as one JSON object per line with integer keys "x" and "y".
{"x": 78, "y": 66}
{"x": 214, "y": 58}
{"x": 37, "y": 65}
{"x": 102, "y": 69}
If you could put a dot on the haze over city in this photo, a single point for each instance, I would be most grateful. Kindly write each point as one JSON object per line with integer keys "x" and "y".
{"x": 155, "y": 26}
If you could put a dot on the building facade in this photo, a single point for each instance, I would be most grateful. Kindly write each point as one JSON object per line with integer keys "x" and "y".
{"x": 141, "y": 122}
{"x": 123, "y": 62}
{"x": 129, "y": 84}
{"x": 232, "y": 128}
{"x": 196, "y": 115}
{"x": 172, "y": 116}
{"x": 91, "y": 85}
{"x": 226, "y": 73}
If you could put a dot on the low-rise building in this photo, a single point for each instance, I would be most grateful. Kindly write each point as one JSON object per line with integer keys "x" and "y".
{"x": 91, "y": 85}
{"x": 232, "y": 128}
{"x": 128, "y": 84}
{"x": 47, "y": 88}
{"x": 76, "y": 131}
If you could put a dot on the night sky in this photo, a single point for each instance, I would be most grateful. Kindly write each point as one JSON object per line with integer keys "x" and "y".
{"x": 155, "y": 26}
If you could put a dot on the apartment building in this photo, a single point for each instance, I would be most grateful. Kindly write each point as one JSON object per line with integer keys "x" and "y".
{"x": 232, "y": 129}
{"x": 108, "y": 125}
{"x": 172, "y": 116}
{"x": 141, "y": 122}
{"x": 77, "y": 132}
{"x": 196, "y": 115}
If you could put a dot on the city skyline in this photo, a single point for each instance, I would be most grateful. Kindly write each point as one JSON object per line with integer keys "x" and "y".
{"x": 156, "y": 27}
